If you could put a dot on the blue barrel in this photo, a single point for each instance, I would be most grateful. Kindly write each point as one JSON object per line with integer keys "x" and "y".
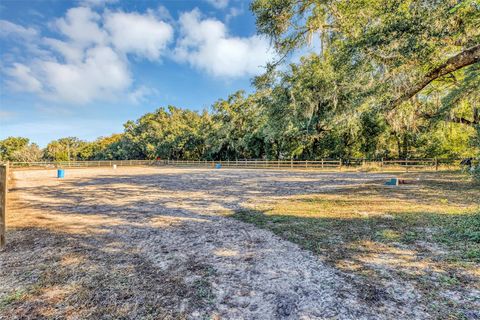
{"x": 60, "y": 173}
{"x": 218, "y": 166}
{"x": 392, "y": 182}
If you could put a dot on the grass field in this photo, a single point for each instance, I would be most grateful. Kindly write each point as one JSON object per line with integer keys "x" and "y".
{"x": 170, "y": 243}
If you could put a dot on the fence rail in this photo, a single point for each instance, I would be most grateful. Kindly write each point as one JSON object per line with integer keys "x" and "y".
{"x": 337, "y": 164}
{"x": 266, "y": 164}
{"x": 80, "y": 164}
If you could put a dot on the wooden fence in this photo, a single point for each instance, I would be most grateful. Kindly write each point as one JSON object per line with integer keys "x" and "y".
{"x": 258, "y": 164}
{"x": 327, "y": 164}
{"x": 3, "y": 202}
{"x": 81, "y": 164}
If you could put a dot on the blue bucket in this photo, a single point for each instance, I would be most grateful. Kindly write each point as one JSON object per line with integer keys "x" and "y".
{"x": 392, "y": 182}
{"x": 218, "y": 166}
{"x": 60, "y": 173}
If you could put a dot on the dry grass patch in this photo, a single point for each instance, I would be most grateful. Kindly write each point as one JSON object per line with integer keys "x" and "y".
{"x": 425, "y": 234}
{"x": 83, "y": 281}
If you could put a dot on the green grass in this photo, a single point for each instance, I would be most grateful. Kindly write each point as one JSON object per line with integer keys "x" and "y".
{"x": 458, "y": 233}
{"x": 11, "y": 298}
{"x": 428, "y": 235}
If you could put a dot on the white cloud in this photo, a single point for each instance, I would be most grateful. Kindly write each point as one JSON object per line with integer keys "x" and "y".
{"x": 143, "y": 35}
{"x": 24, "y": 79}
{"x": 22, "y": 36}
{"x": 206, "y": 45}
{"x": 140, "y": 94}
{"x": 81, "y": 26}
{"x": 219, "y": 4}
{"x": 69, "y": 51}
{"x": 90, "y": 68}
{"x": 96, "y": 3}
{"x": 8, "y": 28}
{"x": 163, "y": 14}
{"x": 232, "y": 13}
{"x": 88, "y": 60}
{"x": 101, "y": 75}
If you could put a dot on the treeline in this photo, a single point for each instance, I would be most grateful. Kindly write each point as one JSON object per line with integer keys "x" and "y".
{"x": 252, "y": 126}
{"x": 390, "y": 79}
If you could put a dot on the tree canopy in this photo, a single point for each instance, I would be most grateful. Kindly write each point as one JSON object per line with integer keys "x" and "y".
{"x": 401, "y": 45}
{"x": 388, "y": 78}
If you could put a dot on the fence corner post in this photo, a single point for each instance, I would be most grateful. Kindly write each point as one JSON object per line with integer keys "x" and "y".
{"x": 3, "y": 203}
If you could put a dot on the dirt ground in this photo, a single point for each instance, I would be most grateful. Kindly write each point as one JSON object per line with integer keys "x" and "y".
{"x": 158, "y": 243}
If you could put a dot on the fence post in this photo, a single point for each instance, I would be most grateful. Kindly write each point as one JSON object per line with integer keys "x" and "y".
{"x": 340, "y": 164}
{"x": 322, "y": 163}
{"x": 306, "y": 164}
{"x": 3, "y": 202}
{"x": 291, "y": 163}
{"x": 436, "y": 164}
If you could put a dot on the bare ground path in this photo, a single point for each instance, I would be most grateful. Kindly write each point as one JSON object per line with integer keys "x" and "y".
{"x": 157, "y": 243}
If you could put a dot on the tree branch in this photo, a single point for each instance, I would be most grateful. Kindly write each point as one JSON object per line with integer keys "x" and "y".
{"x": 462, "y": 120}
{"x": 463, "y": 59}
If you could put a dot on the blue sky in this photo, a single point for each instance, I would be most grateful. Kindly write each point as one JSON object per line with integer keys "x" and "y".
{"x": 83, "y": 68}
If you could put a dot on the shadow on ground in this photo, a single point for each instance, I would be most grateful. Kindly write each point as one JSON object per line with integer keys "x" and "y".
{"x": 79, "y": 248}
{"x": 392, "y": 242}
{"x": 57, "y": 275}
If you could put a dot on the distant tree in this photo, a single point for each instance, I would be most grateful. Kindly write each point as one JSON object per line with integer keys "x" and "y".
{"x": 105, "y": 148}
{"x": 11, "y": 145}
{"x": 29, "y": 153}
{"x": 168, "y": 133}
{"x": 66, "y": 149}
{"x": 236, "y": 128}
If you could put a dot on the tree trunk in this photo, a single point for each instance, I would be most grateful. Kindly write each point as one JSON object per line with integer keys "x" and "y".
{"x": 399, "y": 146}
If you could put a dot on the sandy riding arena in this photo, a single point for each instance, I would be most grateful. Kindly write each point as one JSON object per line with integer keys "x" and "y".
{"x": 165, "y": 243}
